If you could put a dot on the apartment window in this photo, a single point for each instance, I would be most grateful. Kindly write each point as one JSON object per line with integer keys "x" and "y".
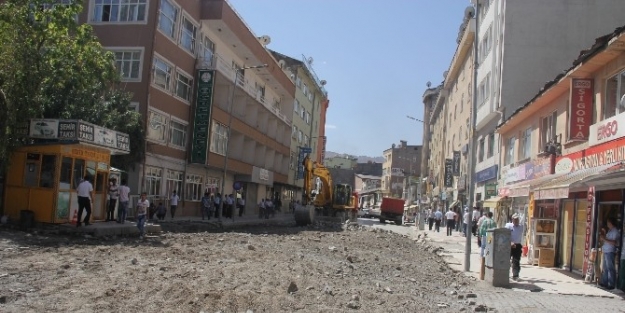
{"x": 153, "y": 179}
{"x": 162, "y": 72}
{"x": 298, "y": 82}
{"x": 157, "y": 126}
{"x": 510, "y": 150}
{"x": 485, "y": 45}
{"x": 174, "y": 183}
{"x": 128, "y": 64}
{"x": 303, "y": 113}
{"x": 455, "y": 111}
{"x": 306, "y": 142}
{"x": 481, "y": 150}
{"x": 307, "y": 118}
{"x": 207, "y": 49}
{"x": 483, "y": 91}
{"x": 296, "y": 107}
{"x": 310, "y": 96}
{"x": 615, "y": 95}
{"x": 219, "y": 138}
{"x": 292, "y": 161}
{"x": 119, "y": 10}
{"x": 168, "y": 18}
{"x": 188, "y": 34}
{"x": 178, "y": 134}
{"x": 305, "y": 89}
{"x": 491, "y": 145}
{"x": 461, "y": 102}
{"x": 460, "y": 134}
{"x": 548, "y": 128}
{"x": 294, "y": 132}
{"x": 183, "y": 86}
{"x": 194, "y": 190}
{"x": 525, "y": 143}
{"x": 300, "y": 136}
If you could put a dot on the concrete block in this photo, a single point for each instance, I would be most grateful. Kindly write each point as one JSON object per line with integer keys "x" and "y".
{"x": 497, "y": 277}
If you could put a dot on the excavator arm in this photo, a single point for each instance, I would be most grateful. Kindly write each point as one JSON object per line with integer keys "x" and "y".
{"x": 317, "y": 184}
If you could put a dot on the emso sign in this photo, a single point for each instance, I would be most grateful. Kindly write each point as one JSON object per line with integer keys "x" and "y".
{"x": 607, "y": 130}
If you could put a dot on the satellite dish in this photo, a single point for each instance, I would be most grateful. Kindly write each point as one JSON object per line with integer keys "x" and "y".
{"x": 445, "y": 74}
{"x": 264, "y": 40}
{"x": 310, "y": 60}
{"x": 323, "y": 82}
{"x": 428, "y": 84}
{"x": 282, "y": 64}
{"x": 469, "y": 12}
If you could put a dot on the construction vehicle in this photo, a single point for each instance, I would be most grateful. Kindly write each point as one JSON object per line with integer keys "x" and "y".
{"x": 322, "y": 197}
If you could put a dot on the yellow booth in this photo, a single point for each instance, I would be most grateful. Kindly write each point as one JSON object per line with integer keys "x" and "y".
{"x": 42, "y": 177}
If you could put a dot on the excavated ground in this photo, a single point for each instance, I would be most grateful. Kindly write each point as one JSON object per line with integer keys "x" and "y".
{"x": 319, "y": 268}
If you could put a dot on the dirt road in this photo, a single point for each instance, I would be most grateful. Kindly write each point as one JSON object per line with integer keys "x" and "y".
{"x": 280, "y": 269}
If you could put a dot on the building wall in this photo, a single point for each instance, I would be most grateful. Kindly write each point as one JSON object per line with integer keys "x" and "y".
{"x": 340, "y": 162}
{"x": 527, "y": 28}
{"x": 429, "y": 99}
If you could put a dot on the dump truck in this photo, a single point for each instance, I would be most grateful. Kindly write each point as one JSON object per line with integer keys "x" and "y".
{"x": 392, "y": 209}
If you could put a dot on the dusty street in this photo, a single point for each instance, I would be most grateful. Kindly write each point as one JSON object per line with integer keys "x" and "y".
{"x": 278, "y": 269}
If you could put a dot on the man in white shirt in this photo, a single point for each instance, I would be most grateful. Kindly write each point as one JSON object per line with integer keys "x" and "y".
{"x": 431, "y": 218}
{"x": 85, "y": 200}
{"x": 610, "y": 241}
{"x": 451, "y": 218}
{"x": 516, "y": 248}
{"x": 113, "y": 195}
{"x": 173, "y": 203}
{"x": 124, "y": 198}
{"x": 438, "y": 217}
{"x": 465, "y": 222}
{"x": 142, "y": 211}
{"x": 241, "y": 205}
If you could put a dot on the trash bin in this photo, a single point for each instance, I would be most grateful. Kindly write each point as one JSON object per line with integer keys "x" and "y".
{"x": 27, "y": 219}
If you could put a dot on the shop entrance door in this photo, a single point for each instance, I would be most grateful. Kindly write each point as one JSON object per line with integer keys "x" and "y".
{"x": 608, "y": 210}
{"x": 100, "y": 188}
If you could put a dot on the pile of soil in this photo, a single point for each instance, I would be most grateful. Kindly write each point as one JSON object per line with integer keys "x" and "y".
{"x": 320, "y": 268}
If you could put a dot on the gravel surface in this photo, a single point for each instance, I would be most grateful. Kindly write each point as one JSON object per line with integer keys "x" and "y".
{"x": 320, "y": 268}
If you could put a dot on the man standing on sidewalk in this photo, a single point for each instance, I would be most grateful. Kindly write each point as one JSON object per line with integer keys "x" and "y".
{"x": 438, "y": 217}
{"x": 515, "y": 245}
{"x": 122, "y": 209}
{"x": 85, "y": 200}
{"x": 610, "y": 241}
{"x": 431, "y": 218}
{"x": 486, "y": 224}
{"x": 451, "y": 219}
{"x": 173, "y": 204}
{"x": 113, "y": 195}
{"x": 465, "y": 222}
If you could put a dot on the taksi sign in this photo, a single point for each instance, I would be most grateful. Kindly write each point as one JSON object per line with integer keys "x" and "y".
{"x": 580, "y": 108}
{"x": 607, "y": 130}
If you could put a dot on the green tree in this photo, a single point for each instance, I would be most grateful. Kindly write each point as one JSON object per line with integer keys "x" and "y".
{"x": 53, "y": 67}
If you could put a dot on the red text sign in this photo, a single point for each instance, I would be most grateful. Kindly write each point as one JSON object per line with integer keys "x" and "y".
{"x": 580, "y": 108}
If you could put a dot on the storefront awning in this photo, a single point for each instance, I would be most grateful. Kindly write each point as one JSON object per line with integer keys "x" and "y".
{"x": 560, "y": 187}
{"x": 523, "y": 189}
{"x": 491, "y": 203}
{"x": 612, "y": 178}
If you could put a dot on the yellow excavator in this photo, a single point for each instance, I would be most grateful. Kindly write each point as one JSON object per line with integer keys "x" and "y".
{"x": 321, "y": 197}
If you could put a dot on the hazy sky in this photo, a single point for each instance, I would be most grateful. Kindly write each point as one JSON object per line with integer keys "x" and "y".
{"x": 376, "y": 56}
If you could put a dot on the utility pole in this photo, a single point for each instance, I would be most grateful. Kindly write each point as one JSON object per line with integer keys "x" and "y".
{"x": 472, "y": 145}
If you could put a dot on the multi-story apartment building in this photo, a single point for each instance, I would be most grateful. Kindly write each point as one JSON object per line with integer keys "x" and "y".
{"x": 430, "y": 97}
{"x": 309, "y": 94}
{"x": 521, "y": 45}
{"x": 566, "y": 149}
{"x": 185, "y": 63}
{"x": 400, "y": 161}
{"x": 457, "y": 99}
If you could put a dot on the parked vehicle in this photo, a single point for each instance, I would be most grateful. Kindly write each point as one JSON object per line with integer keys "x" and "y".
{"x": 392, "y": 209}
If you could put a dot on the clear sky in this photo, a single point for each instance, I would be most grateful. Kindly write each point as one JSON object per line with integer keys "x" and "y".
{"x": 376, "y": 56}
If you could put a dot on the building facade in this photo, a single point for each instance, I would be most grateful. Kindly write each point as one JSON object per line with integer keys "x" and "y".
{"x": 429, "y": 100}
{"x": 400, "y": 161}
{"x": 505, "y": 79}
{"x": 566, "y": 152}
{"x": 309, "y": 95}
{"x": 184, "y": 61}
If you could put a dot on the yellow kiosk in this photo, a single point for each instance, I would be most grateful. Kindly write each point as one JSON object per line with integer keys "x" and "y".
{"x": 43, "y": 176}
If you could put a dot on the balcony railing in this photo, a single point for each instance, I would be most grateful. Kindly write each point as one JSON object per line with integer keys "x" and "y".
{"x": 218, "y": 63}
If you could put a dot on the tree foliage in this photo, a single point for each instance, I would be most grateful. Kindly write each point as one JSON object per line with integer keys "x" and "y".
{"x": 53, "y": 67}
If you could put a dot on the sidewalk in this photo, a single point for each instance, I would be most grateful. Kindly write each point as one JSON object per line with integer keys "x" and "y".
{"x": 532, "y": 278}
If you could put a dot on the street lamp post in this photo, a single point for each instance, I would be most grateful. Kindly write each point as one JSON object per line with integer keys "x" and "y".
{"x": 472, "y": 145}
{"x": 231, "y": 103}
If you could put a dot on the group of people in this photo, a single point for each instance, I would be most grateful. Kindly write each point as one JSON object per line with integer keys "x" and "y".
{"x": 211, "y": 203}
{"x": 478, "y": 223}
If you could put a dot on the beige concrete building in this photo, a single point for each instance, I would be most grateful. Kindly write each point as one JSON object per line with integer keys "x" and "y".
{"x": 309, "y": 95}
{"x": 400, "y": 161}
{"x": 450, "y": 124}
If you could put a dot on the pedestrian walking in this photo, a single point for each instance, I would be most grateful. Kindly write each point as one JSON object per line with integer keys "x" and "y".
{"x": 465, "y": 222}
{"x": 241, "y": 204}
{"x": 486, "y": 224}
{"x": 85, "y": 200}
{"x": 516, "y": 248}
{"x": 206, "y": 203}
{"x": 431, "y": 218}
{"x": 450, "y": 216}
{"x": 124, "y": 199}
{"x": 142, "y": 211}
{"x": 113, "y": 195}
{"x": 610, "y": 241}
{"x": 161, "y": 211}
{"x": 438, "y": 217}
{"x": 217, "y": 202}
{"x": 173, "y": 204}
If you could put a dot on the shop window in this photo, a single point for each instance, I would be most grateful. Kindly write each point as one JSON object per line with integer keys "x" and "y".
{"x": 615, "y": 95}
{"x": 212, "y": 185}
{"x": 31, "y": 171}
{"x": 65, "y": 179}
{"x": 219, "y": 138}
{"x": 153, "y": 178}
{"x": 78, "y": 172}
{"x": 174, "y": 182}
{"x": 48, "y": 166}
{"x": 194, "y": 187}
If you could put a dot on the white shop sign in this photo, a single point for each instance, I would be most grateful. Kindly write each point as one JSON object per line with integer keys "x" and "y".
{"x": 607, "y": 130}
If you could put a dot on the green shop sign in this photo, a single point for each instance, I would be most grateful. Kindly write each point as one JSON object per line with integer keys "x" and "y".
{"x": 201, "y": 120}
{"x": 491, "y": 189}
